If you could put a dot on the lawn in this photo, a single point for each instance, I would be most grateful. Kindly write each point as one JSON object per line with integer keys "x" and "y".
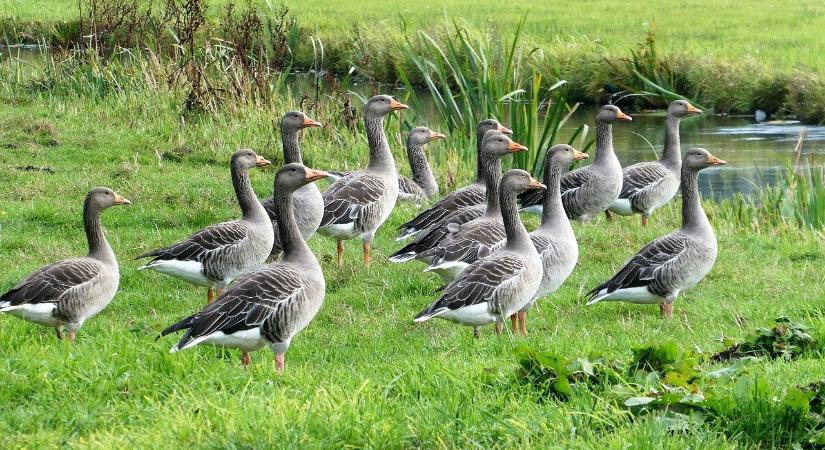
{"x": 362, "y": 374}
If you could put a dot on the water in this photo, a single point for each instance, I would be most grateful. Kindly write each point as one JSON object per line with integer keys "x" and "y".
{"x": 757, "y": 154}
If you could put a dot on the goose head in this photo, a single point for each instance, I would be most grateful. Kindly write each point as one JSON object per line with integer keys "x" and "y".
{"x": 296, "y": 120}
{"x": 498, "y": 144}
{"x": 246, "y": 159}
{"x": 562, "y": 155}
{"x": 491, "y": 124}
{"x": 698, "y": 158}
{"x": 682, "y": 108}
{"x": 293, "y": 176}
{"x": 422, "y": 135}
{"x": 518, "y": 181}
{"x": 610, "y": 114}
{"x": 381, "y": 105}
{"x": 101, "y": 198}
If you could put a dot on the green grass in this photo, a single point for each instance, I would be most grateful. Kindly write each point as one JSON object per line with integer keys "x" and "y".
{"x": 361, "y": 375}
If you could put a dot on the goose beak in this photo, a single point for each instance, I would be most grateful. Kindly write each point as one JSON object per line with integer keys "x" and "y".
{"x": 534, "y": 184}
{"x": 515, "y": 147}
{"x": 314, "y": 175}
{"x": 578, "y": 156}
{"x": 397, "y": 106}
{"x": 714, "y": 161}
{"x": 121, "y": 200}
{"x": 260, "y": 161}
{"x": 622, "y": 116}
{"x": 505, "y": 130}
{"x": 434, "y": 135}
{"x": 693, "y": 110}
{"x": 311, "y": 122}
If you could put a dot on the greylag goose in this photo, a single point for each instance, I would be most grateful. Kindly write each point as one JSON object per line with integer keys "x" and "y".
{"x": 554, "y": 239}
{"x": 216, "y": 255}
{"x": 467, "y": 196}
{"x": 356, "y": 205}
{"x": 68, "y": 292}
{"x": 271, "y": 305}
{"x": 426, "y": 246}
{"x": 649, "y": 185}
{"x": 309, "y": 206}
{"x": 423, "y": 185}
{"x": 500, "y": 284}
{"x": 674, "y": 262}
{"x": 589, "y": 190}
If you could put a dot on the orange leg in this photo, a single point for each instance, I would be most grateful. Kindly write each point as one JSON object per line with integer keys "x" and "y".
{"x": 245, "y": 360}
{"x": 59, "y": 332}
{"x": 522, "y": 319}
{"x": 514, "y": 323}
{"x": 72, "y": 336}
{"x": 210, "y": 296}
{"x": 644, "y": 220}
{"x": 280, "y": 362}
{"x": 340, "y": 254}
{"x": 607, "y": 215}
{"x": 499, "y": 327}
{"x": 666, "y": 309}
{"x": 367, "y": 254}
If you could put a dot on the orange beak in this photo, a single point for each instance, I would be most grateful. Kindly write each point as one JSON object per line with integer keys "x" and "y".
{"x": 622, "y": 116}
{"x": 534, "y": 184}
{"x": 397, "y": 106}
{"x": 578, "y": 156}
{"x": 121, "y": 200}
{"x": 693, "y": 110}
{"x": 310, "y": 122}
{"x": 504, "y": 129}
{"x": 313, "y": 175}
{"x": 714, "y": 161}
{"x": 260, "y": 161}
{"x": 434, "y": 135}
{"x": 515, "y": 147}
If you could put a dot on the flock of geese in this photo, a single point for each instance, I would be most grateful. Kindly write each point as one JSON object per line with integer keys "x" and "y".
{"x": 473, "y": 238}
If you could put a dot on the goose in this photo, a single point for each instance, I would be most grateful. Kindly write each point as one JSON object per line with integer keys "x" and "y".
{"x": 356, "y": 205}
{"x": 423, "y": 185}
{"x": 649, "y": 185}
{"x": 272, "y": 305}
{"x": 425, "y": 247}
{"x": 216, "y": 255}
{"x": 69, "y": 292}
{"x": 467, "y": 196}
{"x": 674, "y": 262}
{"x": 500, "y": 284}
{"x": 589, "y": 190}
{"x": 554, "y": 239}
{"x": 309, "y": 206}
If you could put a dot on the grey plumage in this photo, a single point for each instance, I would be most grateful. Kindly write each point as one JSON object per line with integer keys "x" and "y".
{"x": 462, "y": 198}
{"x": 592, "y": 189}
{"x": 270, "y": 306}
{"x": 649, "y": 185}
{"x": 218, "y": 254}
{"x": 71, "y": 291}
{"x": 672, "y": 263}
{"x": 309, "y": 205}
{"x": 500, "y": 284}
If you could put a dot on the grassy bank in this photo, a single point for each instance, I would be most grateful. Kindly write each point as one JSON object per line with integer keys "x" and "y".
{"x": 734, "y": 63}
{"x": 361, "y": 375}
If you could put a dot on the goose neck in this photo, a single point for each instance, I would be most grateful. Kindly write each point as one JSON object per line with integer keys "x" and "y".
{"x": 604, "y": 142}
{"x": 693, "y": 215}
{"x": 292, "y": 150}
{"x": 671, "y": 156}
{"x": 492, "y": 179}
{"x": 248, "y": 201}
{"x": 420, "y": 167}
{"x": 381, "y": 158}
{"x": 295, "y": 249}
{"x": 513, "y": 227}
{"x": 99, "y": 247}
{"x": 552, "y": 208}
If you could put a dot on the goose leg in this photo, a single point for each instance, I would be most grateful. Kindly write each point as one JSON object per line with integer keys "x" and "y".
{"x": 514, "y": 323}
{"x": 218, "y": 292}
{"x": 340, "y": 254}
{"x": 499, "y": 327}
{"x": 644, "y": 220}
{"x": 210, "y": 296}
{"x": 476, "y": 332}
{"x": 666, "y": 309}
{"x": 59, "y": 332}
{"x": 279, "y": 362}
{"x": 367, "y": 254}
{"x": 607, "y": 214}
{"x": 72, "y": 335}
{"x": 522, "y": 319}
{"x": 245, "y": 359}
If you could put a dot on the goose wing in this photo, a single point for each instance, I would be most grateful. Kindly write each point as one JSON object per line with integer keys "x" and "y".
{"x": 409, "y": 190}
{"x": 639, "y": 177}
{"x": 349, "y": 198}
{"x": 483, "y": 281}
{"x": 462, "y": 198}
{"x": 246, "y": 305}
{"x": 472, "y": 241}
{"x": 644, "y": 267}
{"x": 199, "y": 244}
{"x": 430, "y": 237}
{"x": 49, "y": 283}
